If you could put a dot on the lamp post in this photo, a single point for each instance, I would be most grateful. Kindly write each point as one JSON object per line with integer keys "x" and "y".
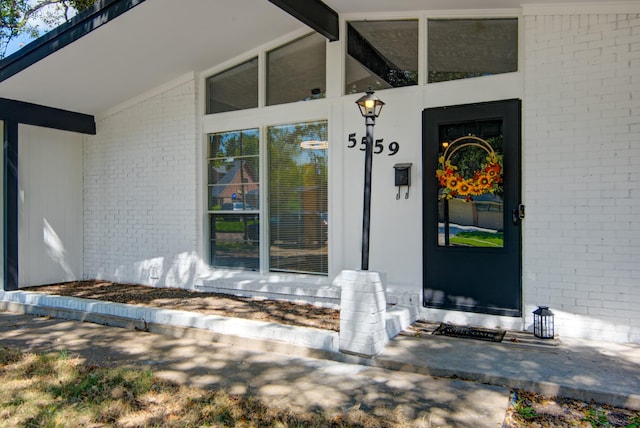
{"x": 370, "y": 107}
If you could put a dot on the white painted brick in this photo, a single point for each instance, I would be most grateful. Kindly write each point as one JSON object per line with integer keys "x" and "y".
{"x": 138, "y": 216}
{"x": 581, "y": 175}
{"x": 362, "y": 312}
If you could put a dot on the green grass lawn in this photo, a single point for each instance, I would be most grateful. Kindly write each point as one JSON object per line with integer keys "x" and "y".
{"x": 478, "y": 239}
{"x": 233, "y": 226}
{"x": 54, "y": 390}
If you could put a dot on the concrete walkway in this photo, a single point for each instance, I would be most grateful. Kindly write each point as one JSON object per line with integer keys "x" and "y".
{"x": 292, "y": 382}
{"x": 586, "y": 370}
{"x": 401, "y": 376}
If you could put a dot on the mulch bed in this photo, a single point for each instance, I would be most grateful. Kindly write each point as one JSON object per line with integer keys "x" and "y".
{"x": 282, "y": 312}
{"x": 531, "y": 410}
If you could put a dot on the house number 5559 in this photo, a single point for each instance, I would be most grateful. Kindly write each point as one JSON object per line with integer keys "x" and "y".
{"x": 378, "y": 146}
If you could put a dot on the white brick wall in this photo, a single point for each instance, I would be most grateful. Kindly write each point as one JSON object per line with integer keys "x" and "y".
{"x": 581, "y": 175}
{"x": 140, "y": 170}
{"x": 582, "y": 172}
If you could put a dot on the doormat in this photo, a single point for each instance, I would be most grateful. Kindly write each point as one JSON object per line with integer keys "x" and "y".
{"x": 470, "y": 332}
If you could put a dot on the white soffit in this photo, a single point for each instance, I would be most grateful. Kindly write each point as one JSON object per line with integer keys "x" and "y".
{"x": 151, "y": 44}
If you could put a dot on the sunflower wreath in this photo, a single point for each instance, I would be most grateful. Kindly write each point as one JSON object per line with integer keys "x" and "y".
{"x": 487, "y": 179}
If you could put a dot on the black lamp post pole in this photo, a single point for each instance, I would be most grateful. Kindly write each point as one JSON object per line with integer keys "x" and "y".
{"x": 366, "y": 214}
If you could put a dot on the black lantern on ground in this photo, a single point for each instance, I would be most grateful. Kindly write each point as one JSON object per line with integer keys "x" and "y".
{"x": 543, "y": 323}
{"x": 370, "y": 107}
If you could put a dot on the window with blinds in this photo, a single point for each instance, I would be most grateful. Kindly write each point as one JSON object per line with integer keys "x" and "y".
{"x": 298, "y": 215}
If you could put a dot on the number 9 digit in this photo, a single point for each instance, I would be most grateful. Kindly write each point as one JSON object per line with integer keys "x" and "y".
{"x": 393, "y": 148}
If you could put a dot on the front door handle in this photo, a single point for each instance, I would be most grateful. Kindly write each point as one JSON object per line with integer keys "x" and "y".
{"x": 517, "y": 214}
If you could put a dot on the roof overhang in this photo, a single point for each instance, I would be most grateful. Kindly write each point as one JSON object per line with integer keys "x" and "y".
{"x": 125, "y": 48}
{"x": 108, "y": 57}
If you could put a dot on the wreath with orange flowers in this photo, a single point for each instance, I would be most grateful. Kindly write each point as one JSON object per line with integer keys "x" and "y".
{"x": 487, "y": 179}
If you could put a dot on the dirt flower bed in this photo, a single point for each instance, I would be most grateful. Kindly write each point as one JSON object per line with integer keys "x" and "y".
{"x": 535, "y": 410}
{"x": 295, "y": 314}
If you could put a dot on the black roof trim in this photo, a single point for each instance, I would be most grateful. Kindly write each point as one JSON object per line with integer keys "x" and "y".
{"x": 80, "y": 25}
{"x": 46, "y": 117}
{"x": 315, "y": 14}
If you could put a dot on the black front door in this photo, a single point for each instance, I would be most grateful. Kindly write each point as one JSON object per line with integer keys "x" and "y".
{"x": 471, "y": 208}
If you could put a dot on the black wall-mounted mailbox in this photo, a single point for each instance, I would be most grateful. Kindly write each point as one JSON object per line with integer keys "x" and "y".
{"x": 402, "y": 175}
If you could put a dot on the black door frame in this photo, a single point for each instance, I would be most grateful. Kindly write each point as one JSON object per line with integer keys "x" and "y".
{"x": 436, "y": 270}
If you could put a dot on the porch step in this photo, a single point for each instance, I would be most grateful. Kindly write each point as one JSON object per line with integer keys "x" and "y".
{"x": 399, "y": 318}
{"x": 423, "y": 328}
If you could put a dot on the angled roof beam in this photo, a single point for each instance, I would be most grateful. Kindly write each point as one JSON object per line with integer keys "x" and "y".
{"x": 80, "y": 25}
{"x": 315, "y": 14}
{"x": 46, "y": 117}
{"x": 362, "y": 50}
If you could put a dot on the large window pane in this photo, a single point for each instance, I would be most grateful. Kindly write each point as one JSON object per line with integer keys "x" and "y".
{"x": 463, "y": 48}
{"x": 381, "y": 54}
{"x": 235, "y": 241}
{"x": 234, "y": 198}
{"x": 298, "y": 218}
{"x": 233, "y": 89}
{"x": 233, "y": 169}
{"x": 296, "y": 71}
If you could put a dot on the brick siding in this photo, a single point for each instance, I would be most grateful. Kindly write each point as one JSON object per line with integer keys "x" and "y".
{"x": 140, "y": 201}
{"x": 581, "y": 169}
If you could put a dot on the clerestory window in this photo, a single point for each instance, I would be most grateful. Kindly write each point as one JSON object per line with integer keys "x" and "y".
{"x": 464, "y": 48}
{"x": 381, "y": 55}
{"x": 297, "y": 71}
{"x": 233, "y": 89}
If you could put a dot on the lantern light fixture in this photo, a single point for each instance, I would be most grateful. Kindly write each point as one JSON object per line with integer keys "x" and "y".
{"x": 543, "y": 323}
{"x": 370, "y": 105}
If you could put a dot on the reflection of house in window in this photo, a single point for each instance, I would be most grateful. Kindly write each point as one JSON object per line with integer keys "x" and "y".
{"x": 483, "y": 211}
{"x": 234, "y": 182}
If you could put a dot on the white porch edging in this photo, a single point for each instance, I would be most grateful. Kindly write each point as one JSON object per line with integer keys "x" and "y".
{"x": 143, "y": 316}
{"x": 355, "y": 336}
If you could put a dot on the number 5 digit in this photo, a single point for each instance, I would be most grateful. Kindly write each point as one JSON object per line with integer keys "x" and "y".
{"x": 352, "y": 140}
{"x": 363, "y": 144}
{"x": 379, "y": 146}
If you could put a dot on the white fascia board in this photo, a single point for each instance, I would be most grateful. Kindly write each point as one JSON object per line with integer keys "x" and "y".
{"x": 453, "y": 13}
{"x": 622, "y": 7}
